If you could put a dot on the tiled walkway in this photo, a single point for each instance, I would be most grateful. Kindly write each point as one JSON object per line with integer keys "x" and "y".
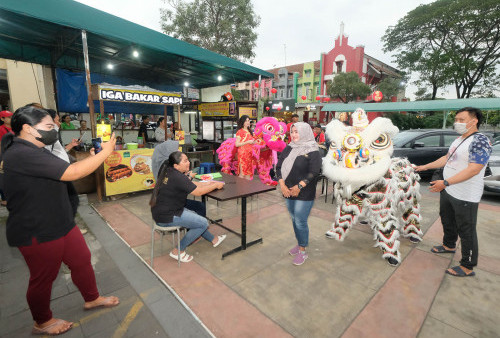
{"x": 343, "y": 289}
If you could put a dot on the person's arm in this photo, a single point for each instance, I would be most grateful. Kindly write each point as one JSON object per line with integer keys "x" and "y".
{"x": 69, "y": 146}
{"x": 313, "y": 172}
{"x": 239, "y": 143}
{"x": 479, "y": 154}
{"x": 205, "y": 188}
{"x": 87, "y": 166}
{"x": 284, "y": 189}
{"x": 439, "y": 163}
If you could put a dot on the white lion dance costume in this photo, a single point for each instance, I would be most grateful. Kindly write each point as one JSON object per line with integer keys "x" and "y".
{"x": 368, "y": 181}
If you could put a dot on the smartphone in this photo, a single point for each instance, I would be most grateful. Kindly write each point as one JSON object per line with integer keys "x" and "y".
{"x": 96, "y": 143}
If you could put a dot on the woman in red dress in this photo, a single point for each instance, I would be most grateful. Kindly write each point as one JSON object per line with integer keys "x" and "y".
{"x": 244, "y": 142}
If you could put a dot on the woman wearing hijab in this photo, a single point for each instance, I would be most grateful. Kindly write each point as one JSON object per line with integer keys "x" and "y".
{"x": 297, "y": 170}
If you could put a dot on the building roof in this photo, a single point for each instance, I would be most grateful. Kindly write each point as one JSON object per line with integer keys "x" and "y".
{"x": 298, "y": 68}
{"x": 49, "y": 32}
{"x": 431, "y": 105}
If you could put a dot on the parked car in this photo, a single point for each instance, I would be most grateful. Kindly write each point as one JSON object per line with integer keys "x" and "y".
{"x": 492, "y": 177}
{"x": 422, "y": 146}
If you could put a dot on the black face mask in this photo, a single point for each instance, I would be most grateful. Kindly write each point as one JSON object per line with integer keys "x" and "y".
{"x": 49, "y": 137}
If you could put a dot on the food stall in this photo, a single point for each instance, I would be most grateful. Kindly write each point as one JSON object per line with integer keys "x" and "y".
{"x": 130, "y": 170}
{"x": 220, "y": 118}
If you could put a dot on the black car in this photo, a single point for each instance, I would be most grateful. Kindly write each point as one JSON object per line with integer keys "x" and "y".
{"x": 422, "y": 146}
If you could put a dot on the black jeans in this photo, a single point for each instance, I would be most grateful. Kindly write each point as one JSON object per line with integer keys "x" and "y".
{"x": 197, "y": 207}
{"x": 459, "y": 219}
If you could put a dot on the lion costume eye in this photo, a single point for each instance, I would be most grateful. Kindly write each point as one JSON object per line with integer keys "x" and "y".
{"x": 269, "y": 127}
{"x": 333, "y": 145}
{"x": 382, "y": 142}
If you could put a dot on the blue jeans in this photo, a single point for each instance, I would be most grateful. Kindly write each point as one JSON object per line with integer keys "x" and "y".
{"x": 299, "y": 212}
{"x": 196, "y": 225}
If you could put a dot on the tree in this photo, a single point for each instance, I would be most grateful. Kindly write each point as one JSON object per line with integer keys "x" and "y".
{"x": 237, "y": 95}
{"x": 226, "y": 27}
{"x": 449, "y": 42}
{"x": 348, "y": 87}
{"x": 389, "y": 87}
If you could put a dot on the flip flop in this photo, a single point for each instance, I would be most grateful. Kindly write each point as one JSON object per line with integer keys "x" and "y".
{"x": 46, "y": 330}
{"x": 106, "y": 302}
{"x": 441, "y": 249}
{"x": 460, "y": 272}
{"x": 219, "y": 240}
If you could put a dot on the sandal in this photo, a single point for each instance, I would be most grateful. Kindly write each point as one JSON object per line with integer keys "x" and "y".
{"x": 185, "y": 258}
{"x": 49, "y": 329}
{"x": 219, "y": 240}
{"x": 102, "y": 302}
{"x": 459, "y": 272}
{"x": 441, "y": 249}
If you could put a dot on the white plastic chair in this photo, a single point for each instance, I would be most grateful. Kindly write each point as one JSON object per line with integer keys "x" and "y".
{"x": 162, "y": 230}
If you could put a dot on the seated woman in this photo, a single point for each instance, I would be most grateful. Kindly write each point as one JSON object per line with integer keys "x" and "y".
{"x": 169, "y": 204}
{"x": 66, "y": 123}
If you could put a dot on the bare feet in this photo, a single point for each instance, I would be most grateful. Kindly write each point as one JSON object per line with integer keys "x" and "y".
{"x": 52, "y": 327}
{"x": 102, "y": 302}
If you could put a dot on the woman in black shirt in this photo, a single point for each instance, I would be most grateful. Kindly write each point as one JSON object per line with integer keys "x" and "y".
{"x": 297, "y": 170}
{"x": 170, "y": 207}
{"x": 34, "y": 184}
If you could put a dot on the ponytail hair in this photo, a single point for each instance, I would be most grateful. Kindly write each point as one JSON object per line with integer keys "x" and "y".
{"x": 174, "y": 158}
{"x": 30, "y": 115}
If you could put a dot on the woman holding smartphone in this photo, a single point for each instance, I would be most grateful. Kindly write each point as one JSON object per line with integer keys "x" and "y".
{"x": 34, "y": 185}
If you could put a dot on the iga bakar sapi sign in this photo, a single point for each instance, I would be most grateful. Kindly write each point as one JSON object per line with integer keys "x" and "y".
{"x": 135, "y": 95}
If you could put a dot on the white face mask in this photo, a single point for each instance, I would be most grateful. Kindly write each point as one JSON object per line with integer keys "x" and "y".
{"x": 460, "y": 128}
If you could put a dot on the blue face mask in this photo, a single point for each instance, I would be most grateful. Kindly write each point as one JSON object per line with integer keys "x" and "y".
{"x": 48, "y": 137}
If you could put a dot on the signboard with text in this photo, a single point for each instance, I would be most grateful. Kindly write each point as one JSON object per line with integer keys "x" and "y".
{"x": 124, "y": 94}
{"x": 217, "y": 109}
{"x": 128, "y": 171}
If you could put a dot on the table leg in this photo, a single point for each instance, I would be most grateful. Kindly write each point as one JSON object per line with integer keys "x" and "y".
{"x": 244, "y": 243}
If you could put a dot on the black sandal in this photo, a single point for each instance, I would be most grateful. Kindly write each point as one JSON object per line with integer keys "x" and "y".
{"x": 441, "y": 249}
{"x": 459, "y": 272}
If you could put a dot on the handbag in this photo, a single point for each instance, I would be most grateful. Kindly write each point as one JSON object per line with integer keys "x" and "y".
{"x": 438, "y": 174}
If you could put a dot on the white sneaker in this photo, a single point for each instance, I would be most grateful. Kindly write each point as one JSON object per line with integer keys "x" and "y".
{"x": 219, "y": 240}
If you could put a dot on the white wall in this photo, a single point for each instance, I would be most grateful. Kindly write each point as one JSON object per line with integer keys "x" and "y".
{"x": 213, "y": 94}
{"x": 28, "y": 83}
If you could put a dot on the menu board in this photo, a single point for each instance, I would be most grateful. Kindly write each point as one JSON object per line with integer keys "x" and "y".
{"x": 128, "y": 171}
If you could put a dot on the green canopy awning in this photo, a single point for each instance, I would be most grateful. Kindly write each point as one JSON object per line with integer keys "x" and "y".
{"x": 48, "y": 32}
{"x": 431, "y": 105}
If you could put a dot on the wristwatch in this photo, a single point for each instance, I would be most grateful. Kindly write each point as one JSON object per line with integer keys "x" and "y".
{"x": 446, "y": 183}
{"x": 300, "y": 186}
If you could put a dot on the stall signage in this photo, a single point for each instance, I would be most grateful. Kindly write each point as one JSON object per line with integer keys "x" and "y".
{"x": 139, "y": 96}
{"x": 216, "y": 109}
{"x": 128, "y": 171}
{"x": 250, "y": 111}
{"x": 286, "y": 105}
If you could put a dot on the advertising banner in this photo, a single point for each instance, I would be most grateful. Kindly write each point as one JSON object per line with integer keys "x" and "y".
{"x": 129, "y": 94}
{"x": 286, "y": 105}
{"x": 216, "y": 109}
{"x": 128, "y": 171}
{"x": 250, "y": 111}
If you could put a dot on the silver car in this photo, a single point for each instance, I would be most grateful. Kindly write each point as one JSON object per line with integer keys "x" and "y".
{"x": 492, "y": 180}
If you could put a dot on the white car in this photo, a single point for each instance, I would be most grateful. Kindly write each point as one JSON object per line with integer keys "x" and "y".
{"x": 492, "y": 181}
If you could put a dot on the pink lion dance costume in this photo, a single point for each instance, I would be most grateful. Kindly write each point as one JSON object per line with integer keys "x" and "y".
{"x": 270, "y": 134}
{"x": 369, "y": 182}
